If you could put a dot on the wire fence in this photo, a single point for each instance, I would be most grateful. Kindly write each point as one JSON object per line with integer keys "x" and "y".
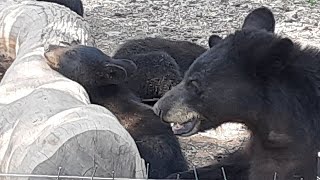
{"x": 92, "y": 177}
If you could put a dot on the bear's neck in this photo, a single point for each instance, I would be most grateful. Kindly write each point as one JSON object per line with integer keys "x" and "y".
{"x": 127, "y": 107}
{"x": 286, "y": 126}
{"x": 113, "y": 93}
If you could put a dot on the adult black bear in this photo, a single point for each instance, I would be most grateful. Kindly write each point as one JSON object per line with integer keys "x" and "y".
{"x": 74, "y": 5}
{"x": 103, "y": 78}
{"x": 264, "y": 81}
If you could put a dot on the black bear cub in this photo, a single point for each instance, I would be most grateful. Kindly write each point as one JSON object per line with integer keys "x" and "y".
{"x": 183, "y": 52}
{"x": 264, "y": 81}
{"x": 161, "y": 63}
{"x": 103, "y": 78}
{"x": 74, "y": 5}
{"x": 157, "y": 73}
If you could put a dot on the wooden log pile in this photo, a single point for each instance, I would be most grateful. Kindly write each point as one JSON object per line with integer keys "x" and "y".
{"x": 46, "y": 120}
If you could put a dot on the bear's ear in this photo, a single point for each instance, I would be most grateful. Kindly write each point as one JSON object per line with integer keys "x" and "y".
{"x": 260, "y": 18}
{"x": 213, "y": 40}
{"x": 119, "y": 70}
{"x": 276, "y": 58}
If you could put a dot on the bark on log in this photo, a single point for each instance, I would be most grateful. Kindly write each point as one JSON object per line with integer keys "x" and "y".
{"x": 46, "y": 120}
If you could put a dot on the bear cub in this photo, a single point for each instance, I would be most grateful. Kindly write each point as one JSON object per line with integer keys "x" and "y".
{"x": 103, "y": 78}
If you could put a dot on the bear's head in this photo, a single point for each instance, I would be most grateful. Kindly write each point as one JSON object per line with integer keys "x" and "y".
{"x": 241, "y": 78}
{"x": 88, "y": 66}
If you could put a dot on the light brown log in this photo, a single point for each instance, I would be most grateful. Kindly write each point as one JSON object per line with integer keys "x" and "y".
{"x": 46, "y": 120}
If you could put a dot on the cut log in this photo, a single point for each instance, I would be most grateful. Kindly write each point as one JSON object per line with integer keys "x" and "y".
{"x": 47, "y": 120}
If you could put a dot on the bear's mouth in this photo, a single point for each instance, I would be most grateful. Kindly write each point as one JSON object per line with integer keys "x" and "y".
{"x": 187, "y": 128}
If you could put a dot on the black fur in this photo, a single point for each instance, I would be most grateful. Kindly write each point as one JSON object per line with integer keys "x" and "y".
{"x": 184, "y": 52}
{"x": 261, "y": 80}
{"x": 213, "y": 40}
{"x": 156, "y": 73}
{"x": 103, "y": 78}
{"x": 166, "y": 60}
{"x": 74, "y": 5}
{"x": 155, "y": 140}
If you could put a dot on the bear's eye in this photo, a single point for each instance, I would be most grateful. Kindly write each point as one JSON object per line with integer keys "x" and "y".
{"x": 194, "y": 84}
{"x": 71, "y": 53}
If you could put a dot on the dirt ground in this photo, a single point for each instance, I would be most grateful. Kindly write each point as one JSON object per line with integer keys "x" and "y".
{"x": 115, "y": 21}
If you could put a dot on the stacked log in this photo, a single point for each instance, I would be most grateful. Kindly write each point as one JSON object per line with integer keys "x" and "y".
{"x": 47, "y": 120}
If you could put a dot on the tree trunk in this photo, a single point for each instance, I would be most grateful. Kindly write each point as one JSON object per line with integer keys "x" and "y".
{"x": 46, "y": 120}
